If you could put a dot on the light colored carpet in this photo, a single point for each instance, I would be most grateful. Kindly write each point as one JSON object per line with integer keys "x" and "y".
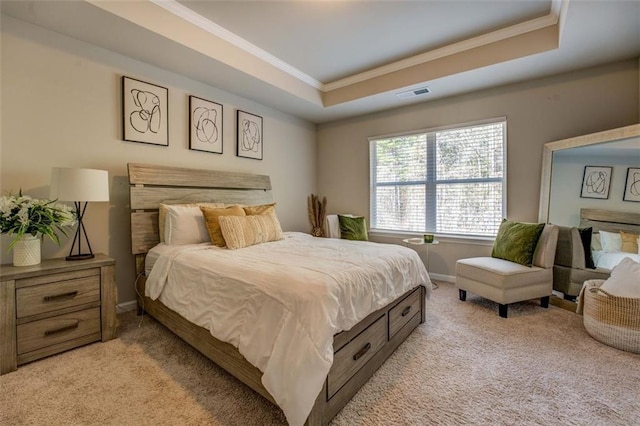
{"x": 465, "y": 365}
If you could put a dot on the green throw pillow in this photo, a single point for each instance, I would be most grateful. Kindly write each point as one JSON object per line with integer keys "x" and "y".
{"x": 353, "y": 228}
{"x": 517, "y": 241}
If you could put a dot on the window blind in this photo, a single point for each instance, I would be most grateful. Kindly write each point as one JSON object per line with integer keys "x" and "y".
{"x": 443, "y": 181}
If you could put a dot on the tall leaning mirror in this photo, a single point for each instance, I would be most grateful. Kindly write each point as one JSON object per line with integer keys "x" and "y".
{"x": 589, "y": 171}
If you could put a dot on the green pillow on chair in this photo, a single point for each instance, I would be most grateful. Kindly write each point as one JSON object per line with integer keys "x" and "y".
{"x": 353, "y": 228}
{"x": 517, "y": 241}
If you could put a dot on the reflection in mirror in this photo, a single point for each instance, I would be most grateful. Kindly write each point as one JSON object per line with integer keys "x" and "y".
{"x": 565, "y": 188}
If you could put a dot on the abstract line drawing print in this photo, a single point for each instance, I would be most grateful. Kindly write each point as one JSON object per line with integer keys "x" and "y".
{"x": 205, "y": 124}
{"x": 148, "y": 116}
{"x": 145, "y": 112}
{"x": 205, "y": 127}
{"x": 632, "y": 185}
{"x": 250, "y": 138}
{"x": 596, "y": 182}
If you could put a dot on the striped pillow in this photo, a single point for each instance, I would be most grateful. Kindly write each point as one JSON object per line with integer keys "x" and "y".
{"x": 211, "y": 217}
{"x": 245, "y": 231}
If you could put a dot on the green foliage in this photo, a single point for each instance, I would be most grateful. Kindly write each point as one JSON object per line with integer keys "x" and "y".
{"x": 21, "y": 215}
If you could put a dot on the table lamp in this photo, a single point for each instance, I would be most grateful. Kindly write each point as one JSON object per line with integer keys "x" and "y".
{"x": 80, "y": 186}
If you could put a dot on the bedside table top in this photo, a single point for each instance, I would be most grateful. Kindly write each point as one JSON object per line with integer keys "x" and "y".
{"x": 48, "y": 266}
{"x": 419, "y": 242}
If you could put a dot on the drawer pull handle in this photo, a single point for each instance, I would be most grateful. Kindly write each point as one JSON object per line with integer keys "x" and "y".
{"x": 406, "y": 311}
{"x": 362, "y": 351}
{"x": 61, "y": 329}
{"x": 63, "y": 296}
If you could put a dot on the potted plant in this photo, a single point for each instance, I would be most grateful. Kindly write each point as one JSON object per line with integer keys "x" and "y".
{"x": 28, "y": 220}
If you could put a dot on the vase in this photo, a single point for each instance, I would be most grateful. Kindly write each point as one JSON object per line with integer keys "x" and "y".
{"x": 26, "y": 251}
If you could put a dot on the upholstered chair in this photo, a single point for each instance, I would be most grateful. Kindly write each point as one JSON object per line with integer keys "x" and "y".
{"x": 571, "y": 270}
{"x": 506, "y": 282}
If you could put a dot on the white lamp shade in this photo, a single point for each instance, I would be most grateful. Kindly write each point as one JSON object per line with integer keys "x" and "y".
{"x": 79, "y": 184}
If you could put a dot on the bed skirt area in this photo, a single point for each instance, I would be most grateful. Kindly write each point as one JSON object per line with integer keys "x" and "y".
{"x": 358, "y": 352}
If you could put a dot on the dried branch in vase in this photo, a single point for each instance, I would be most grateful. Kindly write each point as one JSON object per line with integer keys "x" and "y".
{"x": 317, "y": 211}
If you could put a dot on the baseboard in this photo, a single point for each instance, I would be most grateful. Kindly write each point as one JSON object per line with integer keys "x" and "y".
{"x": 439, "y": 277}
{"x": 125, "y": 306}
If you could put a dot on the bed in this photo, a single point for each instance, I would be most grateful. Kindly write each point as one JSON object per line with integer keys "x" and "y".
{"x": 356, "y": 352}
{"x": 613, "y": 222}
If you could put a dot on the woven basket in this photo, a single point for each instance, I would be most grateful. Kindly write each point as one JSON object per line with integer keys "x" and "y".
{"x": 612, "y": 320}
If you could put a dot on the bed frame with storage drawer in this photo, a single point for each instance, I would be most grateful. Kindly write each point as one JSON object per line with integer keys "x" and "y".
{"x": 358, "y": 352}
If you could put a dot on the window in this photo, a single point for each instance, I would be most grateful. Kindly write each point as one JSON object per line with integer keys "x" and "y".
{"x": 447, "y": 181}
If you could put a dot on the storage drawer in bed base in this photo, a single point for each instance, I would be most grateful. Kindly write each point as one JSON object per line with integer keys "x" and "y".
{"x": 325, "y": 408}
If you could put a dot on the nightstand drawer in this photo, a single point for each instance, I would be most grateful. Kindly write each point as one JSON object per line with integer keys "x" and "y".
{"x": 39, "y": 334}
{"x": 403, "y": 312}
{"x": 57, "y": 295}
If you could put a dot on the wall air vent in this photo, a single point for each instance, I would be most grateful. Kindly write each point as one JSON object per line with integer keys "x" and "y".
{"x": 413, "y": 93}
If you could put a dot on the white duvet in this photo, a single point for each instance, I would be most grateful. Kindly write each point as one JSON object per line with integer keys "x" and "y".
{"x": 606, "y": 260}
{"x": 280, "y": 303}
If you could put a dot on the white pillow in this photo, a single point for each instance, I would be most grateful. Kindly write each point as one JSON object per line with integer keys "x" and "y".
{"x": 611, "y": 241}
{"x": 332, "y": 225}
{"x": 185, "y": 225}
{"x": 624, "y": 280}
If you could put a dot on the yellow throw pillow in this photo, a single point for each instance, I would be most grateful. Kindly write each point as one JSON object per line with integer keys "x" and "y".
{"x": 246, "y": 231}
{"x": 629, "y": 242}
{"x": 263, "y": 209}
{"x": 211, "y": 218}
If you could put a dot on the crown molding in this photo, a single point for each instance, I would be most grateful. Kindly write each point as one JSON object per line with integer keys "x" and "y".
{"x": 452, "y": 49}
{"x": 557, "y": 13}
{"x": 211, "y": 27}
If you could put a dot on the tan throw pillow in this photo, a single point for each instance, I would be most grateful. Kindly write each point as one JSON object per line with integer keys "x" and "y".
{"x": 162, "y": 213}
{"x": 263, "y": 209}
{"x": 211, "y": 218}
{"x": 246, "y": 231}
{"x": 629, "y": 242}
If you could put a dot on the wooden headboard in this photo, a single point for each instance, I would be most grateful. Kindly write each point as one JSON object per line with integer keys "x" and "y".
{"x": 607, "y": 220}
{"x": 150, "y": 185}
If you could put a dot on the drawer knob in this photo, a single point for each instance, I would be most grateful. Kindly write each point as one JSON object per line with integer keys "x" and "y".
{"x": 406, "y": 311}
{"x": 62, "y": 329}
{"x": 362, "y": 351}
{"x": 62, "y": 296}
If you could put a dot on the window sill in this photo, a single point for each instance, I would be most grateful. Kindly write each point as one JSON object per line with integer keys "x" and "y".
{"x": 391, "y": 236}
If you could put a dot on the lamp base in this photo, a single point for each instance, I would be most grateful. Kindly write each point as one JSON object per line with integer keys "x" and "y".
{"x": 80, "y": 256}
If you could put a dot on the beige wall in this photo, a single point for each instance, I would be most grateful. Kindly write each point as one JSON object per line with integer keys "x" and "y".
{"x": 537, "y": 112}
{"x": 61, "y": 106}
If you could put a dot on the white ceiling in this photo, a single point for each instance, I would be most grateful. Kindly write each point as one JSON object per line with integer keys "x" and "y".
{"x": 327, "y": 60}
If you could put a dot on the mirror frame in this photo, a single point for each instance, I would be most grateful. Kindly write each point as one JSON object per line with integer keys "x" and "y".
{"x": 578, "y": 141}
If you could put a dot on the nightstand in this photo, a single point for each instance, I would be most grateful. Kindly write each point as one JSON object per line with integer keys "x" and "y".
{"x": 421, "y": 242}
{"x": 55, "y": 306}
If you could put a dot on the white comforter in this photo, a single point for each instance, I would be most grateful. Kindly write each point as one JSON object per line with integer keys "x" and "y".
{"x": 280, "y": 303}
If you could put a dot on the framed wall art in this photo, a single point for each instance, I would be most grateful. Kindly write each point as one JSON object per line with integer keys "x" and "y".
{"x": 145, "y": 111}
{"x": 205, "y": 125}
{"x": 249, "y": 135}
{"x": 596, "y": 182}
{"x": 632, "y": 185}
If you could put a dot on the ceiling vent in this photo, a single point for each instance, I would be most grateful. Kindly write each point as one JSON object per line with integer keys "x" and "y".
{"x": 413, "y": 93}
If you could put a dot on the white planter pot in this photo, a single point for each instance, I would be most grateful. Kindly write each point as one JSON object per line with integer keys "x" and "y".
{"x": 26, "y": 251}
